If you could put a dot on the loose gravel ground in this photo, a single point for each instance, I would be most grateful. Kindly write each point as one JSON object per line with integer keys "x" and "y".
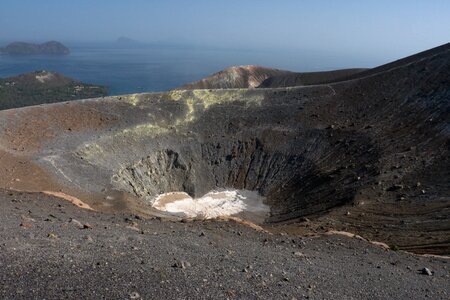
{"x": 50, "y": 249}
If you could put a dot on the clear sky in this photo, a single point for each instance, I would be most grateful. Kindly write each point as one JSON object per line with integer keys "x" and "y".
{"x": 382, "y": 28}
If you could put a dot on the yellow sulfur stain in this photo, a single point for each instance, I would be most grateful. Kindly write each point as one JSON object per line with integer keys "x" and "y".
{"x": 132, "y": 99}
{"x": 196, "y": 102}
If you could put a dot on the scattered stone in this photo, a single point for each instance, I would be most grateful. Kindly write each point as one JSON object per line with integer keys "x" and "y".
{"x": 77, "y": 223}
{"x": 133, "y": 228}
{"x": 52, "y": 235}
{"x": 87, "y": 226}
{"x": 27, "y": 219}
{"x": 395, "y": 187}
{"x": 135, "y": 295}
{"x": 26, "y": 225}
{"x": 426, "y": 271}
{"x": 182, "y": 264}
{"x": 298, "y": 254}
{"x": 202, "y": 233}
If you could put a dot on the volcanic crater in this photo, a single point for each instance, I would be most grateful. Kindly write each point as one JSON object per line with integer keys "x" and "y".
{"x": 367, "y": 152}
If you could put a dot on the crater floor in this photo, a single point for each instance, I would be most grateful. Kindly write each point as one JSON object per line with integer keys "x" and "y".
{"x": 214, "y": 204}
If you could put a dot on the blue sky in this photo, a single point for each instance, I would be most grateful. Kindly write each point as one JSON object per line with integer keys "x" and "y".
{"x": 381, "y": 28}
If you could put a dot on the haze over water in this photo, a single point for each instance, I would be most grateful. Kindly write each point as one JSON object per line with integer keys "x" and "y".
{"x": 158, "y": 68}
{"x": 212, "y": 35}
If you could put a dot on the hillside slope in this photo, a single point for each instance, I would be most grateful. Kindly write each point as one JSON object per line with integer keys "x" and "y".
{"x": 22, "y": 48}
{"x": 235, "y": 77}
{"x": 260, "y": 77}
{"x": 308, "y": 78}
{"x": 44, "y": 87}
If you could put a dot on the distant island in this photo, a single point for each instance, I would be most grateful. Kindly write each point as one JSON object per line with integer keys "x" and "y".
{"x": 44, "y": 87}
{"x": 128, "y": 42}
{"x": 22, "y": 48}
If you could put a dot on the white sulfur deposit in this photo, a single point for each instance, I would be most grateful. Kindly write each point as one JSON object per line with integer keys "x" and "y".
{"x": 213, "y": 204}
{"x": 44, "y": 76}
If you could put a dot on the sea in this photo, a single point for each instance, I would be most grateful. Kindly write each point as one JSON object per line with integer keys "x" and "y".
{"x": 153, "y": 68}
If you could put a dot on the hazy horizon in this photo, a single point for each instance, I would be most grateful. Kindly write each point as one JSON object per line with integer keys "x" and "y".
{"x": 375, "y": 31}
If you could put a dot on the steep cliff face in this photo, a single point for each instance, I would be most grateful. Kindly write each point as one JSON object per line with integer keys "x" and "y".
{"x": 370, "y": 155}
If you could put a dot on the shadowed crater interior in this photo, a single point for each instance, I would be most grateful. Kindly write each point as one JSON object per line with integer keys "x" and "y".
{"x": 297, "y": 176}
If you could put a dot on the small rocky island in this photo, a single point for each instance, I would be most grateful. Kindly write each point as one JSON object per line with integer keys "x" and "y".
{"x": 44, "y": 87}
{"x": 22, "y": 48}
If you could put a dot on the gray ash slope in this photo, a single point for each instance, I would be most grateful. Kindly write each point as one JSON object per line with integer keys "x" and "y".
{"x": 235, "y": 77}
{"x": 368, "y": 155}
{"x": 308, "y": 78}
{"x": 262, "y": 77}
{"x": 45, "y": 253}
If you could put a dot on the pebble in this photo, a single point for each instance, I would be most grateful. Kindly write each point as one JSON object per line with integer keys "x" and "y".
{"x": 52, "y": 235}
{"x": 299, "y": 254}
{"x": 76, "y": 223}
{"x": 395, "y": 187}
{"x": 26, "y": 225}
{"x": 182, "y": 264}
{"x": 426, "y": 271}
